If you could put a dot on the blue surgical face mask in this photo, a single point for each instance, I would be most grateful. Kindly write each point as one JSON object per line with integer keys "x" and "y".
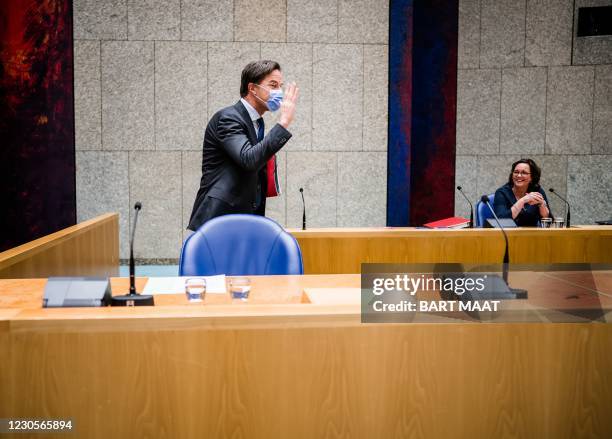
{"x": 275, "y": 97}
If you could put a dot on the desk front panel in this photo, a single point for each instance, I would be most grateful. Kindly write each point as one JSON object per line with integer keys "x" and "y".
{"x": 90, "y": 248}
{"x": 343, "y": 250}
{"x": 464, "y": 380}
{"x": 265, "y": 371}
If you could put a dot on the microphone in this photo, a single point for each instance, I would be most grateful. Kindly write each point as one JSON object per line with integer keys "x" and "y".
{"x": 304, "y": 213}
{"x": 567, "y": 216}
{"x": 485, "y": 200}
{"x": 518, "y": 292}
{"x": 137, "y": 208}
{"x": 133, "y": 298}
{"x": 471, "y": 207}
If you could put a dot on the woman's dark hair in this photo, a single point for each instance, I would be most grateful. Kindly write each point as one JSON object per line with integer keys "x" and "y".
{"x": 535, "y": 170}
{"x": 255, "y": 72}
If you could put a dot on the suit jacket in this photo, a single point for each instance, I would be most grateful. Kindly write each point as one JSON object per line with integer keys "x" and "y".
{"x": 233, "y": 165}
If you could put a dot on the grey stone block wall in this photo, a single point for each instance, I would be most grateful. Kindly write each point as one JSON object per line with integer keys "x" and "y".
{"x": 528, "y": 88}
{"x": 150, "y": 73}
{"x": 87, "y": 95}
{"x": 128, "y": 98}
{"x": 592, "y": 49}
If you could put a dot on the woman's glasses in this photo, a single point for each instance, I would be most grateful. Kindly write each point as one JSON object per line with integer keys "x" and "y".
{"x": 521, "y": 173}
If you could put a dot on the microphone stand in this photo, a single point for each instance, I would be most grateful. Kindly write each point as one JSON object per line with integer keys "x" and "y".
{"x": 567, "y": 216}
{"x": 304, "y": 212}
{"x": 133, "y": 298}
{"x": 519, "y": 293}
{"x": 471, "y": 207}
{"x": 485, "y": 200}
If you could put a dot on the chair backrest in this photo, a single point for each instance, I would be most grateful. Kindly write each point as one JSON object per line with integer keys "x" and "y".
{"x": 483, "y": 212}
{"x": 240, "y": 244}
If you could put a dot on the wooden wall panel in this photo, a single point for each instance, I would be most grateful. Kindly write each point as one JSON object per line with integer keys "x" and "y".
{"x": 275, "y": 368}
{"x": 90, "y": 248}
{"x": 326, "y": 251}
{"x": 364, "y": 381}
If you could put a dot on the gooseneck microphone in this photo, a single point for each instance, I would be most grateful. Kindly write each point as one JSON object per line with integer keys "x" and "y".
{"x": 137, "y": 208}
{"x": 485, "y": 200}
{"x": 471, "y": 207}
{"x": 304, "y": 212}
{"x": 133, "y": 298}
{"x": 518, "y": 293}
{"x": 568, "y": 215}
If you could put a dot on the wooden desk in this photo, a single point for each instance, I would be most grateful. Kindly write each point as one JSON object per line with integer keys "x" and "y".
{"x": 343, "y": 250}
{"x": 277, "y": 368}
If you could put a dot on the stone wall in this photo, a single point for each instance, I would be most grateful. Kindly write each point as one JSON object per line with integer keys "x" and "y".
{"x": 149, "y": 74}
{"x": 528, "y": 88}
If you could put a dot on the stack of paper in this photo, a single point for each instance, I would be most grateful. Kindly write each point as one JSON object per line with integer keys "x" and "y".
{"x": 176, "y": 285}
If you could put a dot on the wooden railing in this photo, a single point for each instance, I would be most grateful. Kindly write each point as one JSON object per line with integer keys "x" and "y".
{"x": 90, "y": 248}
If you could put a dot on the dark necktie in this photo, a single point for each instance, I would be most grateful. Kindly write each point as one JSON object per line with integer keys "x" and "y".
{"x": 260, "y": 129}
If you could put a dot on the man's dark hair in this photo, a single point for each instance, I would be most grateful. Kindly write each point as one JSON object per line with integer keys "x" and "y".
{"x": 255, "y": 72}
{"x": 535, "y": 170}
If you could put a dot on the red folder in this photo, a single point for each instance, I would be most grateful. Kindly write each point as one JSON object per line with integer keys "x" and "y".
{"x": 455, "y": 222}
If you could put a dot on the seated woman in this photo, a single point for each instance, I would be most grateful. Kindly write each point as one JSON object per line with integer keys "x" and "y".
{"x": 522, "y": 198}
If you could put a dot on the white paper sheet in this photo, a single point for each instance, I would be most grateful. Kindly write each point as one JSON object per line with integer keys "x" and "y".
{"x": 176, "y": 285}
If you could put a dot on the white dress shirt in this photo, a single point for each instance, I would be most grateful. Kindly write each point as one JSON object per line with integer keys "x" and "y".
{"x": 255, "y": 116}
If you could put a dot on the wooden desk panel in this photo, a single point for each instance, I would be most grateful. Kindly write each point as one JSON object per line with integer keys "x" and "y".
{"x": 358, "y": 382}
{"x": 285, "y": 370}
{"x": 90, "y": 248}
{"x": 343, "y": 250}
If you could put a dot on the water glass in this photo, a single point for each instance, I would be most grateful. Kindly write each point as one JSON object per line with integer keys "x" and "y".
{"x": 546, "y": 223}
{"x": 559, "y": 223}
{"x": 240, "y": 287}
{"x": 195, "y": 289}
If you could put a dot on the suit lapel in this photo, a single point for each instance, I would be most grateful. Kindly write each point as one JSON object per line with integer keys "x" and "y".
{"x": 247, "y": 120}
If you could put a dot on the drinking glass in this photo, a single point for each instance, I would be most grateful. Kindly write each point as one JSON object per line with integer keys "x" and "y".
{"x": 546, "y": 223}
{"x": 195, "y": 289}
{"x": 240, "y": 287}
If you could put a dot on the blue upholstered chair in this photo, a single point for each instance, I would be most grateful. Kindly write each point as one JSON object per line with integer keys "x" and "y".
{"x": 240, "y": 245}
{"x": 483, "y": 212}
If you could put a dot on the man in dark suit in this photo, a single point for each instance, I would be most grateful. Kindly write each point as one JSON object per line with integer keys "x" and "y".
{"x": 236, "y": 153}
